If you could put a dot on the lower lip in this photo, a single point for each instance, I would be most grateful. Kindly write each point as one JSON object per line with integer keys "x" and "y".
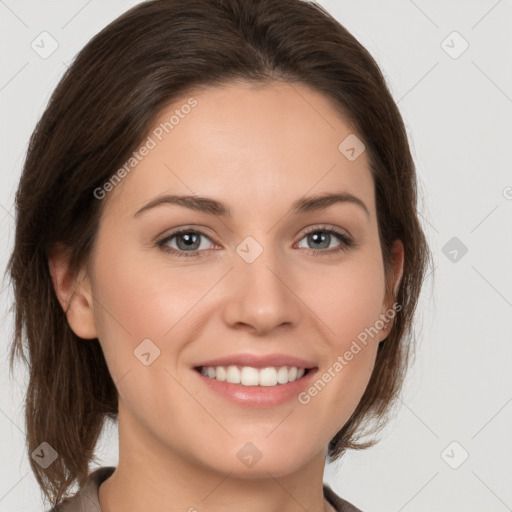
{"x": 258, "y": 396}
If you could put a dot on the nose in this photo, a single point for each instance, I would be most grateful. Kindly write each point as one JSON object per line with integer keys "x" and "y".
{"x": 260, "y": 296}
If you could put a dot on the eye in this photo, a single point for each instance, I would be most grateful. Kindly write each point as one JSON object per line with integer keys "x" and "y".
{"x": 322, "y": 236}
{"x": 188, "y": 242}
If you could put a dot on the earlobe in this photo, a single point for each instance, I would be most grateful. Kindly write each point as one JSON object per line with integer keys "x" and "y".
{"x": 73, "y": 293}
{"x": 389, "y": 309}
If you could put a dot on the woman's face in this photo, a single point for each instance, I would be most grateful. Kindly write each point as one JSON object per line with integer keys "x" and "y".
{"x": 240, "y": 285}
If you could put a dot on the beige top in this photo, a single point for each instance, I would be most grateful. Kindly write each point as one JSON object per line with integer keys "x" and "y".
{"x": 86, "y": 499}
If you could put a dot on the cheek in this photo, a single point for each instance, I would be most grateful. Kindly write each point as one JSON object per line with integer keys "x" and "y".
{"x": 347, "y": 305}
{"x": 348, "y": 298}
{"x": 142, "y": 296}
{"x": 137, "y": 302}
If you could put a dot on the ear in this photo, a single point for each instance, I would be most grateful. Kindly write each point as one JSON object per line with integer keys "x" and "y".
{"x": 74, "y": 294}
{"x": 388, "y": 311}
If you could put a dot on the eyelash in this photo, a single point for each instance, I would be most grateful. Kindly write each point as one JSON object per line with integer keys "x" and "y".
{"x": 346, "y": 243}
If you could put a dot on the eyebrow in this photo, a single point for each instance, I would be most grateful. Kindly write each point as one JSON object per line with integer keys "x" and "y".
{"x": 217, "y": 208}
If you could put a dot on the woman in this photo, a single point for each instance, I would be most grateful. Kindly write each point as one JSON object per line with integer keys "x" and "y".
{"x": 217, "y": 246}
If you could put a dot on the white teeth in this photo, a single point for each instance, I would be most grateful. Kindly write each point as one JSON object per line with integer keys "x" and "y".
{"x": 233, "y": 375}
{"x": 282, "y": 375}
{"x": 249, "y": 376}
{"x": 221, "y": 373}
{"x": 268, "y": 377}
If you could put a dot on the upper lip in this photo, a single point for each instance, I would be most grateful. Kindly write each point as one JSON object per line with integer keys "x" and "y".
{"x": 258, "y": 361}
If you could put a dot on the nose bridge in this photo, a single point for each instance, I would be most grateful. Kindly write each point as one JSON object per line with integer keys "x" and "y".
{"x": 260, "y": 297}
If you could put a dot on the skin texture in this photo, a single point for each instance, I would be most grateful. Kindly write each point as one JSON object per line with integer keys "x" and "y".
{"x": 257, "y": 149}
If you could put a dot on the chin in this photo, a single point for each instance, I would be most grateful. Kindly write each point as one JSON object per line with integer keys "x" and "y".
{"x": 252, "y": 460}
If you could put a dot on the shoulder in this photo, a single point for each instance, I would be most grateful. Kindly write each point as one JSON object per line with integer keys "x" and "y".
{"x": 338, "y": 503}
{"x": 86, "y": 499}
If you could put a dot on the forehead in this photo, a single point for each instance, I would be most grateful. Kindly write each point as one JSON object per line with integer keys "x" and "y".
{"x": 247, "y": 145}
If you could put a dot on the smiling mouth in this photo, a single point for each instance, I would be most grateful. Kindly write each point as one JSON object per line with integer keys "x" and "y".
{"x": 256, "y": 377}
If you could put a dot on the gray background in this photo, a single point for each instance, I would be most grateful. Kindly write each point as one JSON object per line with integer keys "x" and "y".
{"x": 457, "y": 108}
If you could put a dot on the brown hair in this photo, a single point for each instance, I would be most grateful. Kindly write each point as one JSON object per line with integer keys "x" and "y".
{"x": 99, "y": 113}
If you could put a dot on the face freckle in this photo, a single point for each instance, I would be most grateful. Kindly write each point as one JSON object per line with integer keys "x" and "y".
{"x": 258, "y": 286}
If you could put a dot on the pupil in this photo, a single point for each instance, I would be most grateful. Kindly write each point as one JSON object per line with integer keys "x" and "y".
{"x": 189, "y": 239}
{"x": 320, "y": 237}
